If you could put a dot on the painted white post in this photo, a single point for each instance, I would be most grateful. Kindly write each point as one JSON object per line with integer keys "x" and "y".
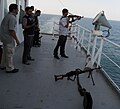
{"x": 18, "y": 3}
{"x": 100, "y": 53}
{"x": 90, "y": 61}
{"x": 74, "y": 32}
{"x": 78, "y": 32}
{"x": 1, "y": 13}
{"x": 26, "y": 3}
{"x": 89, "y": 43}
{"x": 1, "y": 10}
{"x": 78, "y": 38}
{"x": 53, "y": 31}
{"x": 93, "y": 51}
{"x": 82, "y": 38}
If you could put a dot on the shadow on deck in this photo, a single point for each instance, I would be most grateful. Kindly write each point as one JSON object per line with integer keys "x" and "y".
{"x": 34, "y": 87}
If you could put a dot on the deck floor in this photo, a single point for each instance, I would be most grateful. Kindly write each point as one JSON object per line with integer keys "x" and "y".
{"x": 34, "y": 87}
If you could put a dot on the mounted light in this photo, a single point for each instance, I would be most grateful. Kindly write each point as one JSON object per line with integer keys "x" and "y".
{"x": 100, "y": 20}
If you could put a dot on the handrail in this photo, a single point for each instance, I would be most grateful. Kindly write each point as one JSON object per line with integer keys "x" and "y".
{"x": 85, "y": 38}
{"x": 113, "y": 43}
{"x": 111, "y": 60}
{"x": 81, "y": 37}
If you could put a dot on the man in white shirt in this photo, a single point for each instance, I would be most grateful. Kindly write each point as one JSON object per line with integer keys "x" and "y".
{"x": 63, "y": 33}
{"x": 9, "y": 38}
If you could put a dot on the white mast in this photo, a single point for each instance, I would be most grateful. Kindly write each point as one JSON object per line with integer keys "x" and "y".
{"x": 26, "y": 3}
{"x": 1, "y": 10}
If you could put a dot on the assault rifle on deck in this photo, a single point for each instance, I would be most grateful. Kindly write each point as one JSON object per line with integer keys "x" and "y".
{"x": 75, "y": 73}
{"x": 87, "y": 98}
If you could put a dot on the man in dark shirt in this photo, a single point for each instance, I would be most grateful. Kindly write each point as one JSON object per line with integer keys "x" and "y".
{"x": 36, "y": 41}
{"x": 28, "y": 26}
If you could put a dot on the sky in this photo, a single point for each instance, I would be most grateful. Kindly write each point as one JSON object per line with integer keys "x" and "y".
{"x": 86, "y": 8}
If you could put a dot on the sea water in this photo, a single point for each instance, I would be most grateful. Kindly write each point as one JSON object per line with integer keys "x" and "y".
{"x": 110, "y": 50}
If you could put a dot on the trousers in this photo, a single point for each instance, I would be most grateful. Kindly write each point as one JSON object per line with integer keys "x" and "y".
{"x": 7, "y": 57}
{"x": 61, "y": 43}
{"x": 28, "y": 40}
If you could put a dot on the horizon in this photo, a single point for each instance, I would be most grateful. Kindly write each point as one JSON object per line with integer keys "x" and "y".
{"x": 86, "y": 8}
{"x": 84, "y": 17}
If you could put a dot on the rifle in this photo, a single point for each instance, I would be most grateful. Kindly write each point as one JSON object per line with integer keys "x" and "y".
{"x": 71, "y": 16}
{"x": 76, "y": 73}
{"x": 87, "y": 98}
{"x": 74, "y": 18}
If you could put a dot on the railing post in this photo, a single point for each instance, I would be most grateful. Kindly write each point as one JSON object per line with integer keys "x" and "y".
{"x": 78, "y": 38}
{"x": 93, "y": 51}
{"x": 53, "y": 31}
{"x": 82, "y": 38}
{"x": 74, "y": 37}
{"x": 1, "y": 10}
{"x": 78, "y": 32}
{"x": 90, "y": 61}
{"x": 95, "y": 54}
{"x": 75, "y": 31}
{"x": 101, "y": 46}
{"x": 89, "y": 43}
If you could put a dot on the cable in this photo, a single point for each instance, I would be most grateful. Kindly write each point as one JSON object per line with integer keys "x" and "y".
{"x": 61, "y": 3}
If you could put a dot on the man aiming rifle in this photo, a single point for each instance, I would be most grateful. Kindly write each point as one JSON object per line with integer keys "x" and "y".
{"x": 63, "y": 33}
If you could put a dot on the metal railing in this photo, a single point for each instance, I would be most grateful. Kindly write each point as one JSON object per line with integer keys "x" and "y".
{"x": 95, "y": 48}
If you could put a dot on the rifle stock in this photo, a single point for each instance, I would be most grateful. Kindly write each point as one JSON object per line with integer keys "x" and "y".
{"x": 58, "y": 77}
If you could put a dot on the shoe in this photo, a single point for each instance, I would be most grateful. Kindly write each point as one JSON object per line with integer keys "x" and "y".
{"x": 3, "y": 68}
{"x": 38, "y": 44}
{"x": 31, "y": 59}
{"x": 26, "y": 63}
{"x": 13, "y": 71}
{"x": 64, "y": 56}
{"x": 57, "y": 57}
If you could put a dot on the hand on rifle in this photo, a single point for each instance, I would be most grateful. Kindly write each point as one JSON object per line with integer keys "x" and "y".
{"x": 79, "y": 17}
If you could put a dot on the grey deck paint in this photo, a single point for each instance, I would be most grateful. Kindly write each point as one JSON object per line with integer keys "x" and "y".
{"x": 33, "y": 87}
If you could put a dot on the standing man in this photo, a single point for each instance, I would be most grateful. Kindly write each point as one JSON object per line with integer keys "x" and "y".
{"x": 28, "y": 26}
{"x": 8, "y": 37}
{"x": 36, "y": 40}
{"x": 63, "y": 32}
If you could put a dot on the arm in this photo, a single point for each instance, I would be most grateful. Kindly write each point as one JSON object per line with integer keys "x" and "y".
{"x": 74, "y": 18}
{"x": 11, "y": 26}
{"x": 67, "y": 25}
{"x": 13, "y": 34}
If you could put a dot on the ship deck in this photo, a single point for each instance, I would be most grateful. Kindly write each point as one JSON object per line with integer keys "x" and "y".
{"x": 34, "y": 87}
